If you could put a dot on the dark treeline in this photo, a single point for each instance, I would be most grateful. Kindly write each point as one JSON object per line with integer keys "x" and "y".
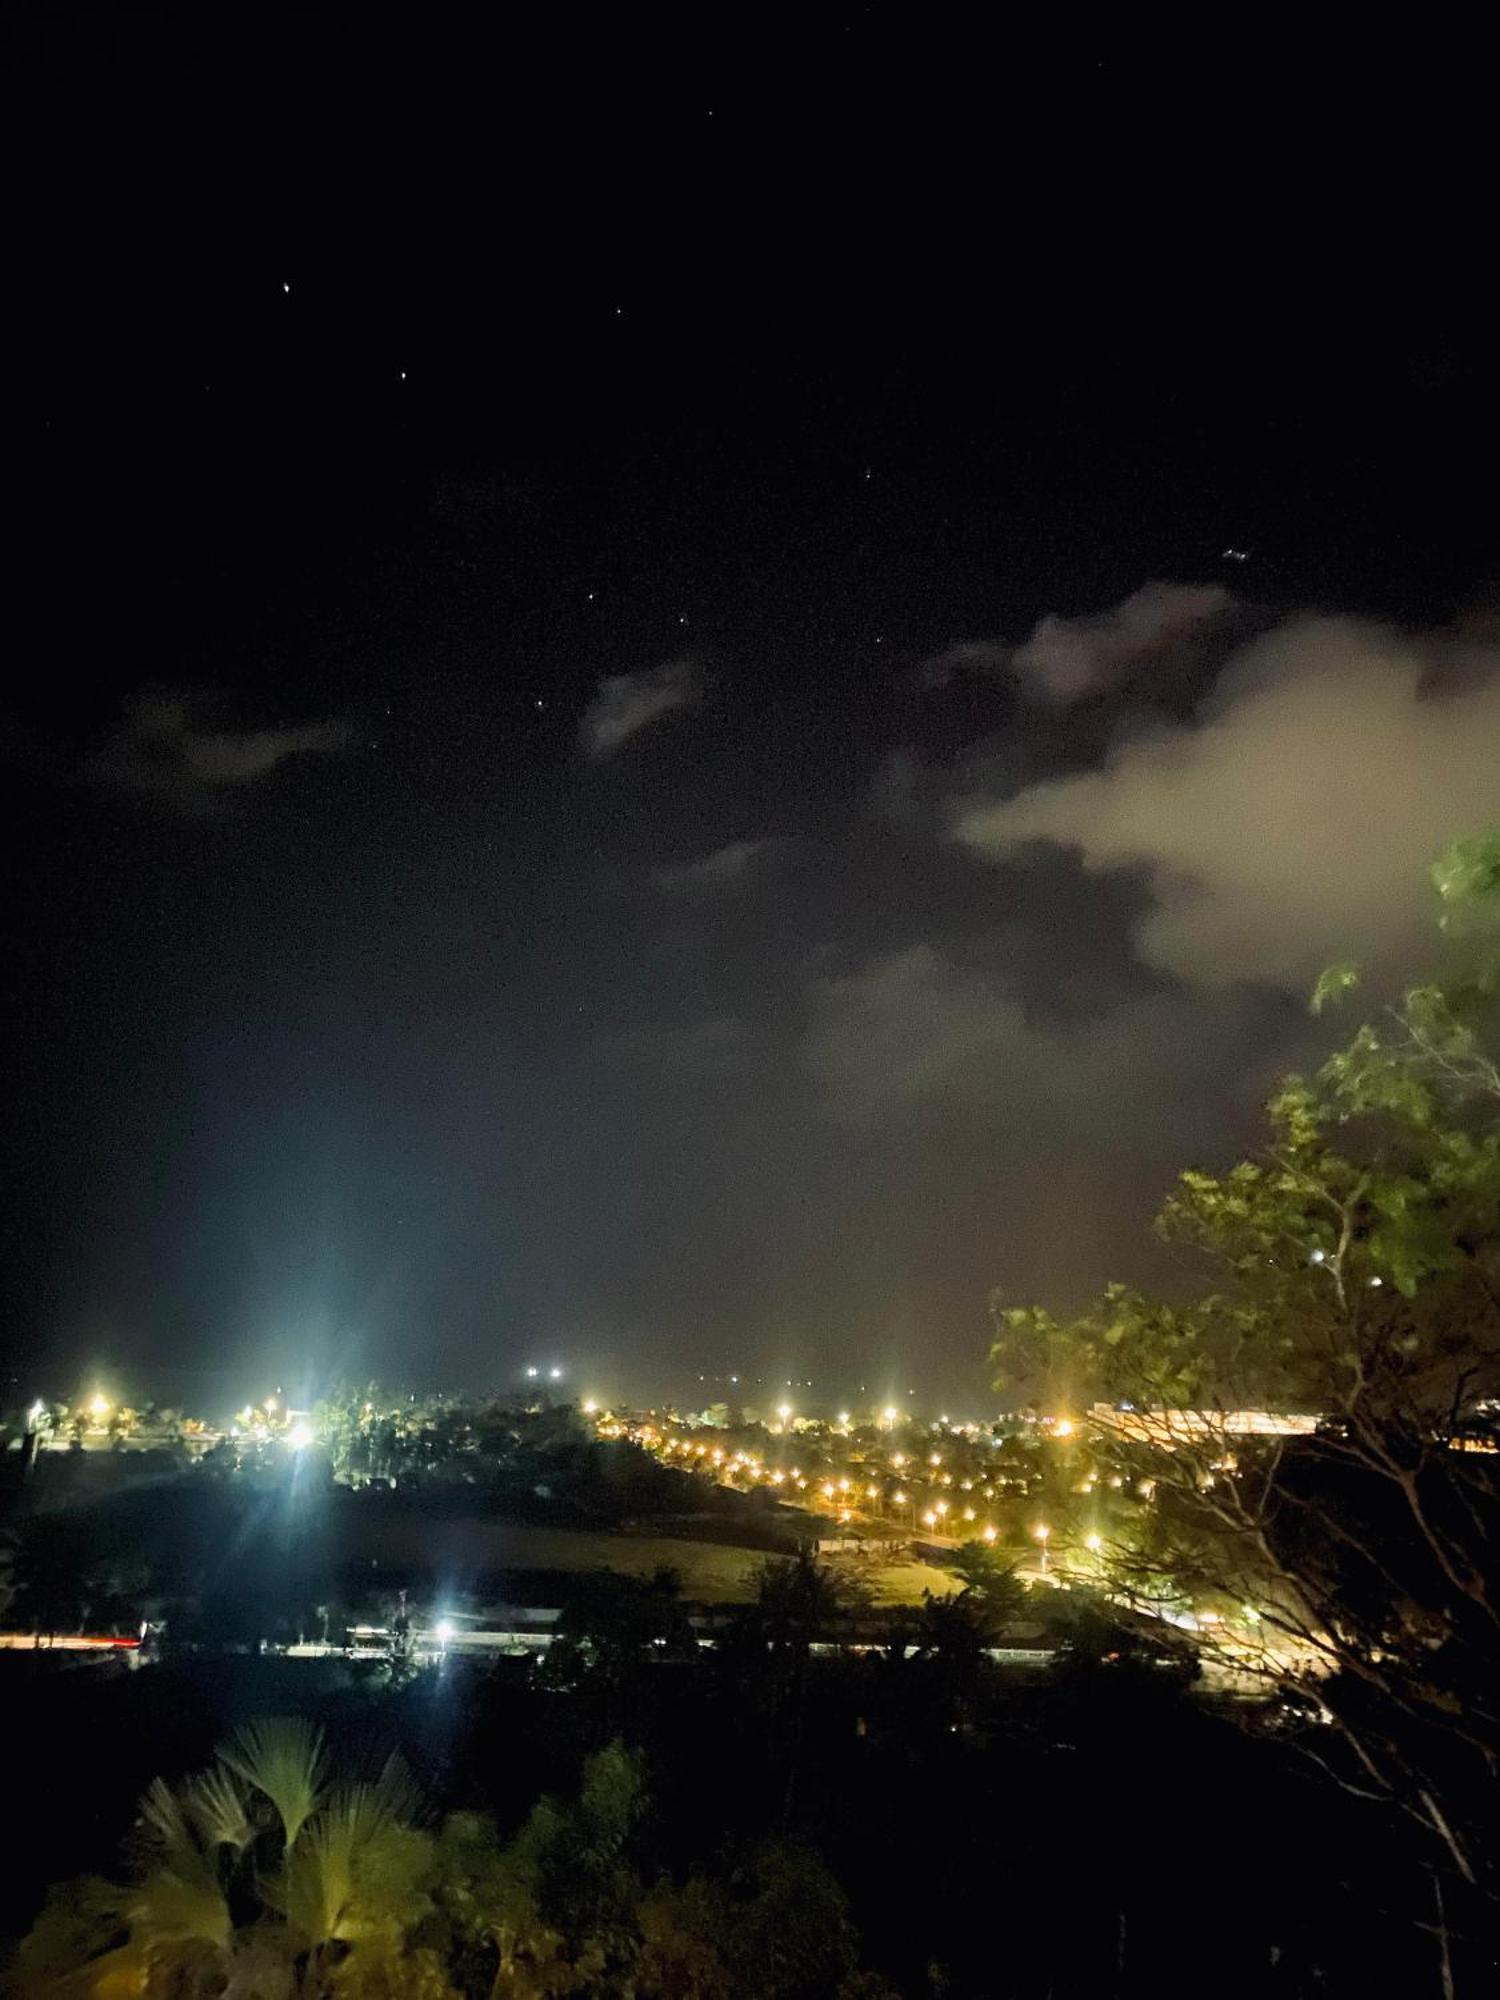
{"x": 929, "y": 1823}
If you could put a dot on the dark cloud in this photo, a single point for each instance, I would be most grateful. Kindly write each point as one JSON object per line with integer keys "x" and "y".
{"x": 1066, "y": 659}
{"x": 625, "y": 704}
{"x": 168, "y": 748}
{"x": 975, "y": 657}
{"x": 725, "y": 867}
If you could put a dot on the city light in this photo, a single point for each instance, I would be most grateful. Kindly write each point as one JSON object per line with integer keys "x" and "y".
{"x": 555, "y": 1374}
{"x": 1093, "y": 1543}
{"x": 532, "y": 1373}
{"x": 99, "y": 1407}
{"x": 590, "y": 1407}
{"x": 844, "y": 1419}
{"x": 37, "y": 1411}
{"x": 443, "y": 1631}
{"x": 890, "y": 1414}
{"x": 269, "y": 1406}
{"x": 300, "y": 1436}
{"x": 1063, "y": 1428}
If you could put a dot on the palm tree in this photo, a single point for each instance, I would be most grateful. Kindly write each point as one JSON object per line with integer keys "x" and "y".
{"x": 256, "y": 1878}
{"x": 286, "y": 1760}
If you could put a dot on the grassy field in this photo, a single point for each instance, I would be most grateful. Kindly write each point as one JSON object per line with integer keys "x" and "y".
{"x": 711, "y": 1572}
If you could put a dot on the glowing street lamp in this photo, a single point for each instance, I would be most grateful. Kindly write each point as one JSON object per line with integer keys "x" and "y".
{"x": 1093, "y": 1543}
{"x": 890, "y": 1415}
{"x": 300, "y": 1436}
{"x": 99, "y": 1408}
{"x": 1041, "y": 1532}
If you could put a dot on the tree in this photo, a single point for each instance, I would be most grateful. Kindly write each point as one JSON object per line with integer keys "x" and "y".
{"x": 992, "y": 1590}
{"x": 1352, "y": 1272}
{"x": 554, "y": 1909}
{"x": 261, "y": 1875}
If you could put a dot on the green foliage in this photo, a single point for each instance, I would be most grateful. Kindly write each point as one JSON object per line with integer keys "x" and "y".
{"x": 1333, "y": 983}
{"x": 991, "y": 1585}
{"x": 323, "y": 1900}
{"x": 1350, "y": 1271}
{"x": 286, "y": 1761}
{"x": 1466, "y": 876}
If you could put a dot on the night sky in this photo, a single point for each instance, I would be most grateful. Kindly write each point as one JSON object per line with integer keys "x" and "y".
{"x": 681, "y": 695}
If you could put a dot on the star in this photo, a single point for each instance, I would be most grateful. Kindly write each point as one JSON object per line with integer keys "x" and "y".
{"x": 285, "y": 287}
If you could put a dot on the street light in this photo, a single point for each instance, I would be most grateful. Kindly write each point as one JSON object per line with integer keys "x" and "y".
{"x": 99, "y": 1407}
{"x": 1042, "y": 1531}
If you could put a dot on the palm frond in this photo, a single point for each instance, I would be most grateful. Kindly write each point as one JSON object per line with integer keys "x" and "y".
{"x": 285, "y": 1758}
{"x": 359, "y": 1863}
{"x": 218, "y": 1809}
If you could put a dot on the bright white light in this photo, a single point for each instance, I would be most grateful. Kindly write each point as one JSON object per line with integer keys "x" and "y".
{"x": 890, "y": 1413}
{"x": 99, "y": 1406}
{"x": 1318, "y": 1257}
{"x": 531, "y": 1372}
{"x": 555, "y": 1373}
{"x": 1094, "y": 1543}
{"x": 300, "y": 1436}
{"x": 443, "y": 1631}
{"x": 37, "y": 1411}
{"x": 1376, "y": 1283}
{"x": 590, "y": 1407}
{"x": 844, "y": 1418}
{"x": 783, "y": 1410}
